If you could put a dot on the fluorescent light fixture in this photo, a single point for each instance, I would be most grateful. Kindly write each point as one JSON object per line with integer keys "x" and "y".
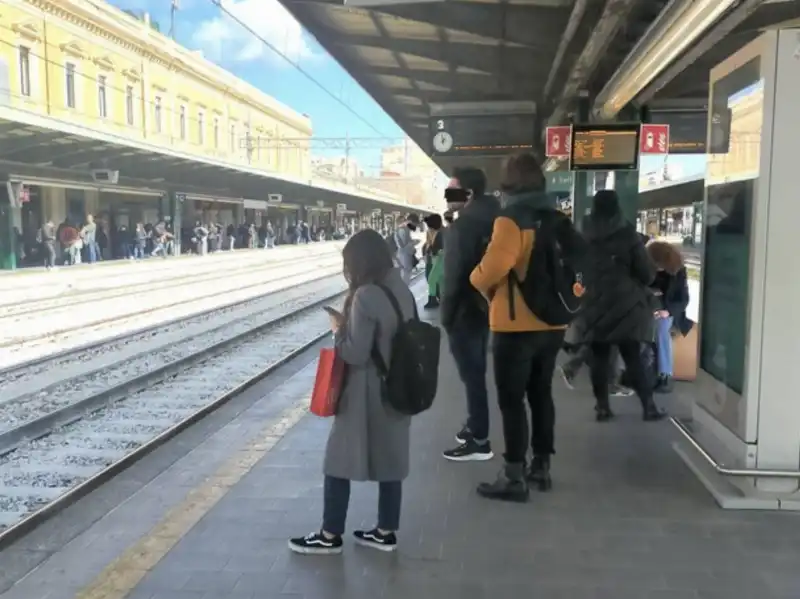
{"x": 660, "y": 46}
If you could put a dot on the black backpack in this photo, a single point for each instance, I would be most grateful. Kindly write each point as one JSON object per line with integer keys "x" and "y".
{"x": 553, "y": 287}
{"x": 411, "y": 378}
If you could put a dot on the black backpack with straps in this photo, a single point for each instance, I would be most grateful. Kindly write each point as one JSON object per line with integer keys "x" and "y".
{"x": 411, "y": 378}
{"x": 554, "y": 284}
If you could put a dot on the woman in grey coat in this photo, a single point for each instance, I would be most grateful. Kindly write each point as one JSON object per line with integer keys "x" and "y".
{"x": 369, "y": 441}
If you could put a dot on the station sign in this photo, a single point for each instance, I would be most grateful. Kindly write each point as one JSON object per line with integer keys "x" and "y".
{"x": 180, "y": 197}
{"x": 557, "y": 141}
{"x": 611, "y": 147}
{"x": 654, "y": 139}
{"x": 341, "y": 207}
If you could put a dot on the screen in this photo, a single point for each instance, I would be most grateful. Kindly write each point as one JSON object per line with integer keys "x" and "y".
{"x": 487, "y": 134}
{"x": 605, "y": 147}
{"x": 731, "y": 176}
{"x": 687, "y": 130}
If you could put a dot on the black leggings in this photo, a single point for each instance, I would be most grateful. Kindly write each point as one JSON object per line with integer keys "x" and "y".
{"x": 631, "y": 352}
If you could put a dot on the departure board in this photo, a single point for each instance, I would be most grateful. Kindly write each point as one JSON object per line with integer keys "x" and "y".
{"x": 485, "y": 135}
{"x": 687, "y": 129}
{"x": 605, "y": 147}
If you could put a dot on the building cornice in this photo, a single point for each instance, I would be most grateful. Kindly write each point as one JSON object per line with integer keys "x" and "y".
{"x": 121, "y": 29}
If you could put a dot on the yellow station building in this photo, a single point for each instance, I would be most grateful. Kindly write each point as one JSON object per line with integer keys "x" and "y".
{"x": 102, "y": 114}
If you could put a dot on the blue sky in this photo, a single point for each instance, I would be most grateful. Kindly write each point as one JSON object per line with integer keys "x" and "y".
{"x": 201, "y": 25}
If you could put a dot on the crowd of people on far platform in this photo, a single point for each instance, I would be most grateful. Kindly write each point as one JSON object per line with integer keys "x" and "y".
{"x": 518, "y": 270}
{"x": 71, "y": 243}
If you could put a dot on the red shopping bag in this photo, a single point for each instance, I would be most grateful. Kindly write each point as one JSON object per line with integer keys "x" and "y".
{"x": 328, "y": 383}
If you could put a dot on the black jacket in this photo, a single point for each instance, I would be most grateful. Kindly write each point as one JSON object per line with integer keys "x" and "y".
{"x": 464, "y": 243}
{"x": 618, "y": 305}
{"x": 676, "y": 300}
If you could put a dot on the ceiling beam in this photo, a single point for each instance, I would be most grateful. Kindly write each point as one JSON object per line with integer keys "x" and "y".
{"x": 516, "y": 24}
{"x": 471, "y": 81}
{"x": 478, "y": 57}
{"x": 614, "y": 16}
{"x": 20, "y": 145}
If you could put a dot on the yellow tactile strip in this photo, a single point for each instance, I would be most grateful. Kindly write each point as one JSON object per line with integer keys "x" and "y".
{"x": 122, "y": 575}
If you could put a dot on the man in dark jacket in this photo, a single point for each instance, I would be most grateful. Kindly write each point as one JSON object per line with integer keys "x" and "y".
{"x": 618, "y": 306}
{"x": 464, "y": 312}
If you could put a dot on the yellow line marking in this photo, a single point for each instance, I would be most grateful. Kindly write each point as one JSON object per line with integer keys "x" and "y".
{"x": 122, "y": 575}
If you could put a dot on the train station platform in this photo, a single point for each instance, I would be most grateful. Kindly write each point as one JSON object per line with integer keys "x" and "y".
{"x": 208, "y": 517}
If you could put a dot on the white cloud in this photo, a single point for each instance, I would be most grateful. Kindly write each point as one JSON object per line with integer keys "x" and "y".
{"x": 224, "y": 39}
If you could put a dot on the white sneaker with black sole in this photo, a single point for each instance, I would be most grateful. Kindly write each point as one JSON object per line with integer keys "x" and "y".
{"x": 471, "y": 451}
{"x": 316, "y": 544}
{"x": 376, "y": 540}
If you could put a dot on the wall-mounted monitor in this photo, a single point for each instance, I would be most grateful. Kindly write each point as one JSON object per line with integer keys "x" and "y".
{"x": 612, "y": 147}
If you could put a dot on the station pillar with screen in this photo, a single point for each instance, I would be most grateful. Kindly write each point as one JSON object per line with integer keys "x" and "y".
{"x": 745, "y": 414}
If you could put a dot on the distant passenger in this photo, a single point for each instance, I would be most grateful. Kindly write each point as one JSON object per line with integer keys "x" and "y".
{"x": 200, "y": 238}
{"x": 47, "y": 241}
{"x": 618, "y": 309}
{"x": 89, "y": 236}
{"x": 464, "y": 313}
{"x": 406, "y": 254}
{"x": 369, "y": 441}
{"x": 139, "y": 241}
{"x": 70, "y": 240}
{"x": 671, "y": 288}
{"x": 525, "y": 346}
{"x": 434, "y": 258}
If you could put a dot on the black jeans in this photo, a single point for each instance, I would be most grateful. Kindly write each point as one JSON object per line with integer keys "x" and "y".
{"x": 337, "y": 500}
{"x": 469, "y": 346}
{"x": 583, "y": 356}
{"x": 524, "y": 364}
{"x": 631, "y": 352}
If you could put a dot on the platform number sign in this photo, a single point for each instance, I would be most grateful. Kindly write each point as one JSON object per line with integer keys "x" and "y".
{"x": 180, "y": 197}
{"x": 442, "y": 140}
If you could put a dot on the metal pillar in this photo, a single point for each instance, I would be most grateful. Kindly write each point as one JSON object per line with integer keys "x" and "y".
{"x": 626, "y": 183}
{"x": 581, "y": 189}
{"x": 8, "y": 255}
{"x": 173, "y": 215}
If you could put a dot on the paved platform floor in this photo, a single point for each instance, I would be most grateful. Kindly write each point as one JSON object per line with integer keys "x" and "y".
{"x": 625, "y": 519}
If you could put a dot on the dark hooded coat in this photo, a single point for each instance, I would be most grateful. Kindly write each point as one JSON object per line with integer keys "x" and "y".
{"x": 619, "y": 305}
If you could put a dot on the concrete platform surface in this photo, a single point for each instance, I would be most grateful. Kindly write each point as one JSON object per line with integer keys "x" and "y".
{"x": 625, "y": 520}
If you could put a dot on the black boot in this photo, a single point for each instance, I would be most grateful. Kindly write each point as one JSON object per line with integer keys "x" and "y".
{"x": 651, "y": 412}
{"x": 539, "y": 473}
{"x": 509, "y": 486}
{"x": 433, "y": 302}
{"x": 664, "y": 384}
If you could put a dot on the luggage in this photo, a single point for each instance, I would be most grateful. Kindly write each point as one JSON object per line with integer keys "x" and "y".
{"x": 684, "y": 355}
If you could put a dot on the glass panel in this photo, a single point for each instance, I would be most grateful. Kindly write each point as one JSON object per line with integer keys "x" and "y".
{"x": 735, "y": 138}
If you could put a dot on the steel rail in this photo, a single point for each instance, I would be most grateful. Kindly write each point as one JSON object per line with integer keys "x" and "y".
{"x": 4, "y": 372}
{"x": 95, "y": 295}
{"x": 98, "y": 371}
{"x": 18, "y": 340}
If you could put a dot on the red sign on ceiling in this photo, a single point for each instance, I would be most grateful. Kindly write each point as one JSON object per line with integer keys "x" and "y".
{"x": 654, "y": 139}
{"x": 557, "y": 141}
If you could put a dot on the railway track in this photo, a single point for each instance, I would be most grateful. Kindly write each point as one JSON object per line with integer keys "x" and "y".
{"x": 56, "y": 455}
{"x": 30, "y": 336}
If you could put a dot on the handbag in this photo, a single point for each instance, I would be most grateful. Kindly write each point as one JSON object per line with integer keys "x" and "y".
{"x": 327, "y": 383}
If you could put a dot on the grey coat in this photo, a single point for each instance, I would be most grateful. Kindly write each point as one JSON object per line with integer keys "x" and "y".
{"x": 369, "y": 440}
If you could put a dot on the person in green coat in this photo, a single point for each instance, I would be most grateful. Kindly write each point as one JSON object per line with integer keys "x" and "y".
{"x": 434, "y": 259}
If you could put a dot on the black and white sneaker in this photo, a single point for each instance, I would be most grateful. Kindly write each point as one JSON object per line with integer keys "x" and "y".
{"x": 375, "y": 539}
{"x": 568, "y": 378}
{"x": 471, "y": 451}
{"x": 463, "y": 435}
{"x": 316, "y": 544}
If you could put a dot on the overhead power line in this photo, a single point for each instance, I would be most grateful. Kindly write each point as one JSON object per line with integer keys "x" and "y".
{"x": 300, "y": 69}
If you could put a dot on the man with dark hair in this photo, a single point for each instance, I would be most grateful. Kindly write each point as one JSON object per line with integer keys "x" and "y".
{"x": 464, "y": 313}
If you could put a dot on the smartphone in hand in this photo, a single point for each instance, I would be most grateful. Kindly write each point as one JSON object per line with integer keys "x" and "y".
{"x": 335, "y": 316}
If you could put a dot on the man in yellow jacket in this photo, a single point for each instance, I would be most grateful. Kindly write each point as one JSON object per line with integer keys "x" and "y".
{"x": 525, "y": 347}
